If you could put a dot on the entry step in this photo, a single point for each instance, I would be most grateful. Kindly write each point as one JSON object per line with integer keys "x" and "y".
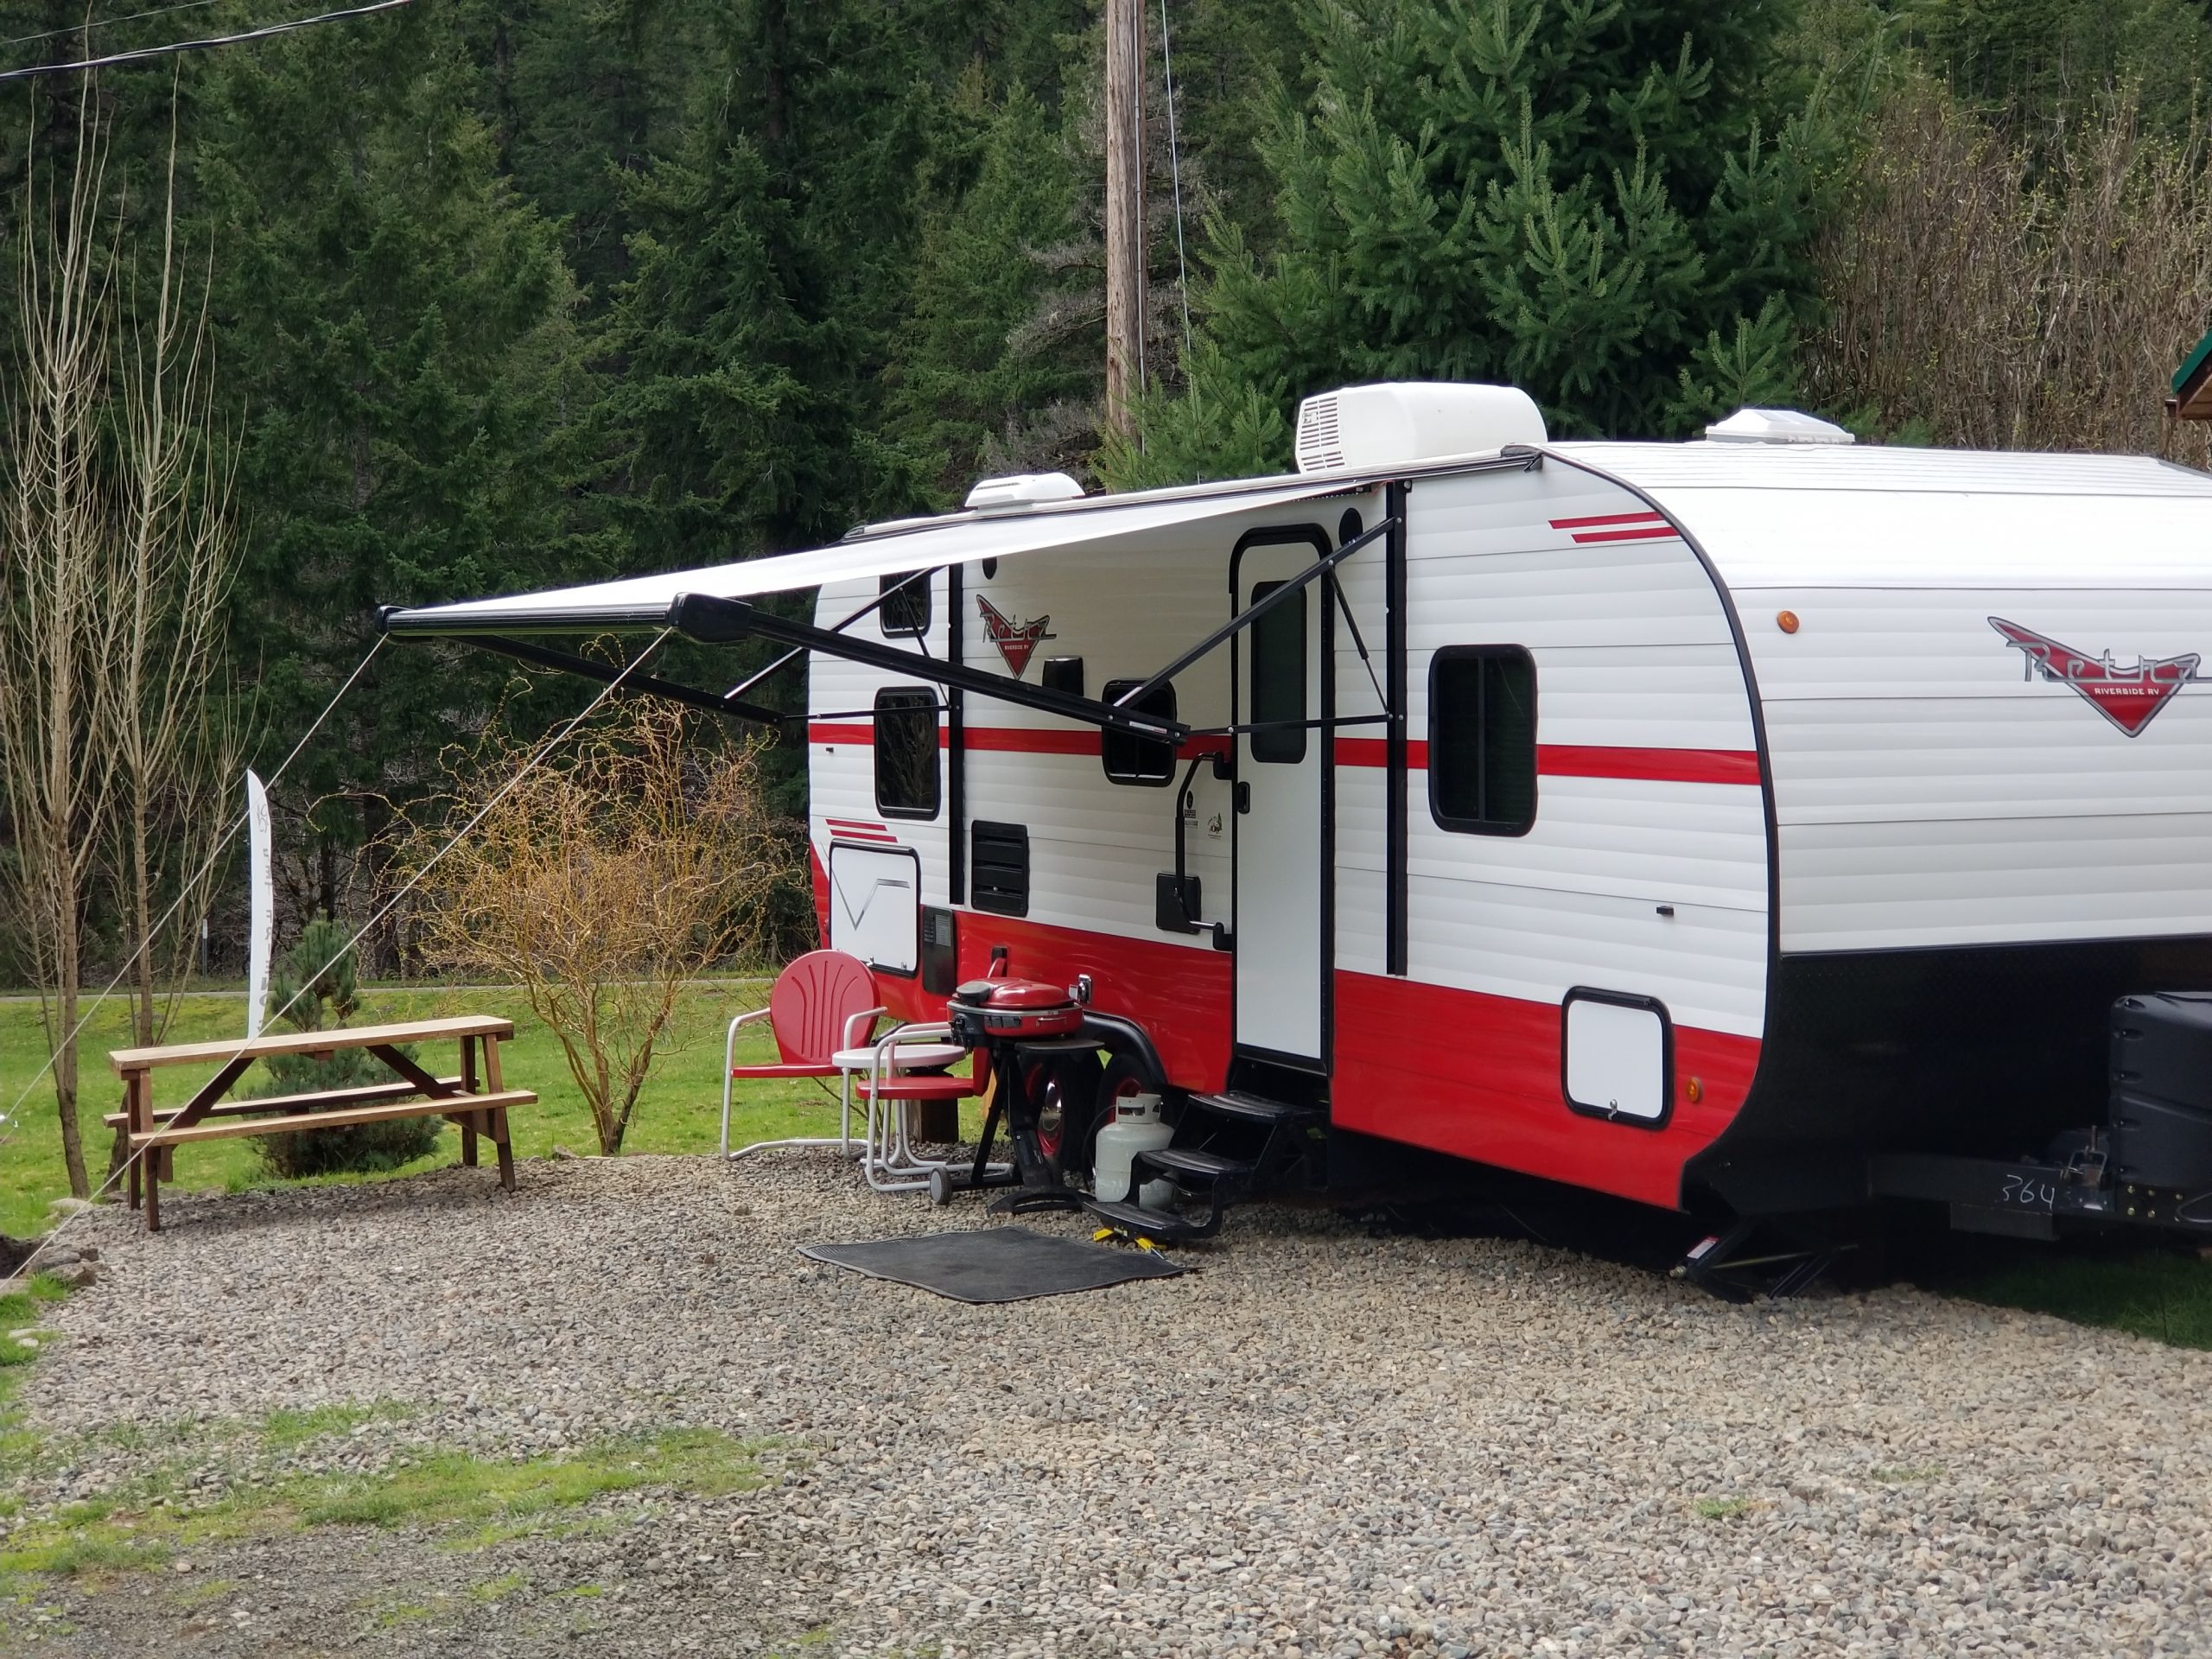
{"x": 1140, "y": 1223}
{"x": 1185, "y": 1164}
{"x": 1258, "y": 1108}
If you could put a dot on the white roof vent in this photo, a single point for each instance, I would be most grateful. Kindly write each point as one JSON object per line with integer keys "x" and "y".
{"x": 1019, "y": 489}
{"x": 1776, "y": 426}
{"x": 1402, "y": 420}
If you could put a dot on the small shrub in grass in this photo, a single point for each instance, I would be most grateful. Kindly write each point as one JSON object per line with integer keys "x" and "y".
{"x": 313, "y": 984}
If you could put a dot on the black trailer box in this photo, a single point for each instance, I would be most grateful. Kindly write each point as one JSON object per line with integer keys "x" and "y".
{"x": 2161, "y": 1103}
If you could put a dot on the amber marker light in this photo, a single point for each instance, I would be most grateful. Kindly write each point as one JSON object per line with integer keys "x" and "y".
{"x": 1786, "y": 620}
{"x": 1695, "y": 1091}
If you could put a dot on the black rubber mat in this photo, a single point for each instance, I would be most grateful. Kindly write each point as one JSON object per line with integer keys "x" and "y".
{"x": 998, "y": 1264}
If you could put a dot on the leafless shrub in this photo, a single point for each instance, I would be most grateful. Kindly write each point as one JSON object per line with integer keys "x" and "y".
{"x": 1979, "y": 299}
{"x": 599, "y": 883}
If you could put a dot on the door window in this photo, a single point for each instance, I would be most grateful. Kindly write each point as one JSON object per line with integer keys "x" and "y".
{"x": 905, "y": 752}
{"x": 1279, "y": 679}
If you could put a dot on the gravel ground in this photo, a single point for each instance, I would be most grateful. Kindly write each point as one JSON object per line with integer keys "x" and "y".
{"x": 1321, "y": 1443}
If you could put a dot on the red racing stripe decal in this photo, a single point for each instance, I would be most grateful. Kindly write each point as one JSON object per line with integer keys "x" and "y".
{"x": 824, "y": 731}
{"x": 1375, "y": 751}
{"x": 1617, "y": 527}
{"x": 1657, "y": 765}
{"x": 1576, "y": 760}
{"x": 1028, "y": 740}
{"x": 1602, "y": 519}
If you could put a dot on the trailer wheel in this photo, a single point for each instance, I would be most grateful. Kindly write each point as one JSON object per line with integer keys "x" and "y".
{"x": 1065, "y": 1089}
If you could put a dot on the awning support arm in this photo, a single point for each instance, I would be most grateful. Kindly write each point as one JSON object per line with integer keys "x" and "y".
{"x": 1358, "y": 644}
{"x": 792, "y": 656}
{"x": 1245, "y": 618}
{"x": 606, "y": 673}
{"x": 723, "y": 621}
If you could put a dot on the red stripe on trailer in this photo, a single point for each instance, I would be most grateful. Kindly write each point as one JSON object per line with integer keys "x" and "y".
{"x": 1662, "y": 766}
{"x": 1654, "y": 533}
{"x": 1609, "y": 518}
{"x": 858, "y": 823}
{"x": 821, "y": 879}
{"x": 1027, "y": 739}
{"x": 1577, "y": 761}
{"x": 1478, "y": 1077}
{"x": 825, "y": 731}
{"x": 1179, "y": 994}
{"x": 1375, "y": 751}
{"x": 1031, "y": 740}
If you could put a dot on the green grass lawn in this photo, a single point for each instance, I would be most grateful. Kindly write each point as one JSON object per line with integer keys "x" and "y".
{"x": 2153, "y": 1288}
{"x": 2133, "y": 1285}
{"x": 679, "y": 1111}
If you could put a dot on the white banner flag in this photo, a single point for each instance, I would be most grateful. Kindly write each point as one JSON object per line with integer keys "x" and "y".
{"x": 263, "y": 912}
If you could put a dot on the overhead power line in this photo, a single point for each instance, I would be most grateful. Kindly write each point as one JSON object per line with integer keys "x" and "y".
{"x": 90, "y": 23}
{"x": 142, "y": 53}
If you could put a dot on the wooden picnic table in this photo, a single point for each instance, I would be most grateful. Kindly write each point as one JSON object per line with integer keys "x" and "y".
{"x": 474, "y": 1097}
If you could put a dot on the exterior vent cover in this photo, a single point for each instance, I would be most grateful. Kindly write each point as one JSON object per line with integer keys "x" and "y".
{"x": 1776, "y": 426}
{"x": 1403, "y": 421}
{"x": 1020, "y": 490}
{"x": 1320, "y": 446}
{"x": 998, "y": 857}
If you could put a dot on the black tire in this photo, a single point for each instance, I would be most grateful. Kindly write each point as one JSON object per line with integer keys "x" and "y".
{"x": 1065, "y": 1089}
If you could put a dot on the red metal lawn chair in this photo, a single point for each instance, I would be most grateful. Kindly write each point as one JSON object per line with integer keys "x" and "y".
{"x": 824, "y": 1003}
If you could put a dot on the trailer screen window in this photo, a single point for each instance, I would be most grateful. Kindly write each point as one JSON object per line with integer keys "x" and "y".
{"x": 1482, "y": 740}
{"x": 1136, "y": 759}
{"x": 1279, "y": 679}
{"x": 906, "y": 607}
{"x": 905, "y": 752}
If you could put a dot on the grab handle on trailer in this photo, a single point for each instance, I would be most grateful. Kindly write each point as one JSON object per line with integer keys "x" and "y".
{"x": 1175, "y": 898}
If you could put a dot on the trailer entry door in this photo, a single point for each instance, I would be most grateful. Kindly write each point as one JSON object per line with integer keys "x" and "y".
{"x": 1282, "y": 843}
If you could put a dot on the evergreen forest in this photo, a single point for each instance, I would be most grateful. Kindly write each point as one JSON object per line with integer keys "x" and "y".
{"x": 496, "y": 294}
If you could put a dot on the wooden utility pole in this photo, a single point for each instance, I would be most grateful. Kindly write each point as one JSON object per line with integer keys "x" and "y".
{"x": 1125, "y": 262}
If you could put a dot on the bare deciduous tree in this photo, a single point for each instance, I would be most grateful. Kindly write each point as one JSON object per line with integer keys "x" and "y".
{"x": 58, "y": 620}
{"x": 176, "y": 746}
{"x": 1991, "y": 295}
{"x": 118, "y": 553}
{"x": 599, "y": 883}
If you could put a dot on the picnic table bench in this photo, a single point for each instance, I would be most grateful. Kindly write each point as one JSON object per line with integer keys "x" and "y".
{"x": 474, "y": 1098}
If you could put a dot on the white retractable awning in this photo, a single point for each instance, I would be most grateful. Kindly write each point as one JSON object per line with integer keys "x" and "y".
{"x": 649, "y": 602}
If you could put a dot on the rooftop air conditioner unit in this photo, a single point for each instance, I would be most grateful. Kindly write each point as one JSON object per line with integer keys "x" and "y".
{"x": 1404, "y": 421}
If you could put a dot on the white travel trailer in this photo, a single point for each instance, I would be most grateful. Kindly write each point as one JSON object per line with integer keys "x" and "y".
{"x": 1765, "y": 824}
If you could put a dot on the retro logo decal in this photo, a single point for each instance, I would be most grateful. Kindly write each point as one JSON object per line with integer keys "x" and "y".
{"x": 2129, "y": 697}
{"x": 1017, "y": 643}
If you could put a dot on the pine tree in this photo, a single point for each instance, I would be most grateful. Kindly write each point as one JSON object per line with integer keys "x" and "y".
{"x": 396, "y": 326}
{"x": 1607, "y": 202}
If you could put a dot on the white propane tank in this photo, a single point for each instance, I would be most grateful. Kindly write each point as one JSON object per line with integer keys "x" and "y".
{"x": 1136, "y": 1127}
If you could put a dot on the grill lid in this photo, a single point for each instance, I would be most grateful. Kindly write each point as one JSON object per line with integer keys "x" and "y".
{"x": 1013, "y": 994}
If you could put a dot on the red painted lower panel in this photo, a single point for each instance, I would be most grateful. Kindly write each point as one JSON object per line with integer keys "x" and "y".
{"x": 821, "y": 878}
{"x": 1458, "y": 1071}
{"x": 1478, "y": 1077}
{"x": 1180, "y": 995}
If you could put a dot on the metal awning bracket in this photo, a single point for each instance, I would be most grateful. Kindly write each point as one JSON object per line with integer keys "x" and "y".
{"x": 1252, "y": 613}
